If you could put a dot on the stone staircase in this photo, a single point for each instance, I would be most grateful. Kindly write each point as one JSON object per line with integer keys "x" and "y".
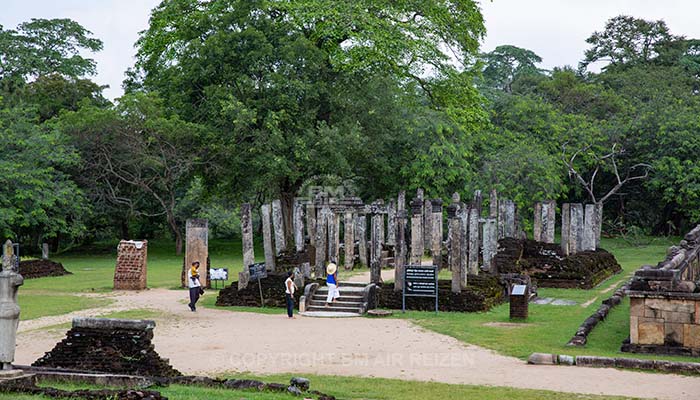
{"x": 349, "y": 304}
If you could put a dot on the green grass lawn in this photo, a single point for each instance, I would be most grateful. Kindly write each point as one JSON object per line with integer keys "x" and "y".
{"x": 356, "y": 388}
{"x": 548, "y": 327}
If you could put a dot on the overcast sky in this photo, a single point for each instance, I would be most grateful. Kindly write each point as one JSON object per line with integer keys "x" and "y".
{"x": 554, "y": 29}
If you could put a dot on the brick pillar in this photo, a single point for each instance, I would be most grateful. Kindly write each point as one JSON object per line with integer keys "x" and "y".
{"x": 130, "y": 272}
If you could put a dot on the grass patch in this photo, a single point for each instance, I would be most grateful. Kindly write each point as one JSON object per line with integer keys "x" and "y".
{"x": 549, "y": 328}
{"x": 357, "y": 388}
{"x": 36, "y": 304}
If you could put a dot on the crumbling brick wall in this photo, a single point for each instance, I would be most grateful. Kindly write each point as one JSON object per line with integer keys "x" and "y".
{"x": 130, "y": 272}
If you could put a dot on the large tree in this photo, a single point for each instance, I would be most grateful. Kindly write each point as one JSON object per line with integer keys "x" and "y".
{"x": 273, "y": 77}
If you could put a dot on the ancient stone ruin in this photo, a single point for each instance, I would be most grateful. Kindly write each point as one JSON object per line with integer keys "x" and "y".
{"x": 665, "y": 302}
{"x": 131, "y": 270}
{"x": 10, "y": 281}
{"x": 196, "y": 249}
{"x": 31, "y": 269}
{"x": 114, "y": 346}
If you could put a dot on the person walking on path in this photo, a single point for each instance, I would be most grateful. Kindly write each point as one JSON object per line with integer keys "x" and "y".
{"x": 332, "y": 283}
{"x": 290, "y": 287}
{"x": 194, "y": 285}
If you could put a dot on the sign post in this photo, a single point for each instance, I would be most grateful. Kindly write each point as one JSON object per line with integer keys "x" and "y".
{"x": 257, "y": 272}
{"x": 420, "y": 281}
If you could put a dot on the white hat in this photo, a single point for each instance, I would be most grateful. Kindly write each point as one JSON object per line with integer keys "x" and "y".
{"x": 331, "y": 268}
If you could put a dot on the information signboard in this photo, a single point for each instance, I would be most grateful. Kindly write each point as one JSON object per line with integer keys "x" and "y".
{"x": 420, "y": 281}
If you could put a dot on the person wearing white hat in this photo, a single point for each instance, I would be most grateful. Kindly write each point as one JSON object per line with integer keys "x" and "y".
{"x": 332, "y": 283}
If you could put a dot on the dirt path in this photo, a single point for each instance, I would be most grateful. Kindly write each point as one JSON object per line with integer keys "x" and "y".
{"x": 389, "y": 348}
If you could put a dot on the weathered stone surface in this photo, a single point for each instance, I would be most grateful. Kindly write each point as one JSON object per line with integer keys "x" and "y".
{"x": 490, "y": 245}
{"x": 691, "y": 336}
{"x": 537, "y": 223}
{"x": 588, "y": 242}
{"x": 113, "y": 323}
{"x": 474, "y": 248}
{"x": 349, "y": 240}
{"x": 463, "y": 214}
{"x": 678, "y": 306}
{"x": 576, "y": 229}
{"x": 196, "y": 248}
{"x": 376, "y": 250}
{"x": 268, "y": 246}
{"x": 298, "y": 225}
{"x": 44, "y": 251}
{"x": 427, "y": 224}
{"x": 507, "y": 224}
{"x": 361, "y": 237}
{"x": 417, "y": 243}
{"x": 311, "y": 223}
{"x": 545, "y": 221}
{"x": 634, "y": 329}
{"x": 247, "y": 235}
{"x": 674, "y": 334}
{"x": 637, "y": 306}
{"x": 493, "y": 204}
{"x": 454, "y": 250}
{"x": 321, "y": 240}
{"x": 391, "y": 223}
{"x": 333, "y": 237}
{"x": 565, "y": 227}
{"x": 650, "y": 331}
{"x": 400, "y": 250}
{"x": 278, "y": 226}
{"x": 542, "y": 359}
{"x": 436, "y": 232}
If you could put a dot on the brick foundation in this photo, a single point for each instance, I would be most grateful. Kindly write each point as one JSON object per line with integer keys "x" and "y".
{"x": 130, "y": 272}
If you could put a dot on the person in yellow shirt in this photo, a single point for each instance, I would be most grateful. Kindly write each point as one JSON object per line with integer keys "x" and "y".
{"x": 194, "y": 285}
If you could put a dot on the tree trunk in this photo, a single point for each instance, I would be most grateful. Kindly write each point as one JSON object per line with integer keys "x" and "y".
{"x": 124, "y": 228}
{"x": 287, "y": 200}
{"x": 176, "y": 231}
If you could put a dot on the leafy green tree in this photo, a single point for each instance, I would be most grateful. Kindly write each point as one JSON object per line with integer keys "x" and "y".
{"x": 272, "y": 78}
{"x": 38, "y": 199}
{"x": 626, "y": 40}
{"x": 506, "y": 63}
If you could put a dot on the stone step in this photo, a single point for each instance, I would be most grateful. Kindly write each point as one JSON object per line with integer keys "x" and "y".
{"x": 334, "y": 309}
{"x": 349, "y": 300}
{"x": 349, "y": 289}
{"x": 353, "y": 284}
{"x": 330, "y": 314}
{"x": 339, "y": 303}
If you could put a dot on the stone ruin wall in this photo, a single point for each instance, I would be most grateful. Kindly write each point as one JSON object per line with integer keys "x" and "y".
{"x": 665, "y": 303}
{"x": 131, "y": 270}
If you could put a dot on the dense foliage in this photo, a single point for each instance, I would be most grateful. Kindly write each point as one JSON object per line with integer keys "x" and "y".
{"x": 233, "y": 101}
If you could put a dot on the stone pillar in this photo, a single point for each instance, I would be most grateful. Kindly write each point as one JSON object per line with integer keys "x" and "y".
{"x": 400, "y": 250}
{"x": 510, "y": 219}
{"x": 333, "y": 237}
{"x": 417, "y": 249}
{"x": 490, "y": 246}
{"x": 463, "y": 214}
{"x": 361, "y": 234}
{"x": 478, "y": 201}
{"x": 455, "y": 200}
{"x": 598, "y": 223}
{"x": 44, "y": 251}
{"x": 454, "y": 249}
{"x": 10, "y": 281}
{"x": 427, "y": 224}
{"x": 131, "y": 269}
{"x": 197, "y": 249}
{"x": 493, "y": 204}
{"x": 576, "y": 229}
{"x": 473, "y": 264}
{"x": 311, "y": 223}
{"x": 537, "y": 223}
{"x": 349, "y": 240}
{"x": 565, "y": 227}
{"x": 321, "y": 240}
{"x": 436, "y": 232}
{"x": 588, "y": 243}
{"x": 247, "y": 235}
{"x": 278, "y": 225}
{"x": 401, "y": 201}
{"x": 544, "y": 218}
{"x": 375, "y": 273}
{"x": 298, "y": 223}
{"x": 391, "y": 224}
{"x": 268, "y": 246}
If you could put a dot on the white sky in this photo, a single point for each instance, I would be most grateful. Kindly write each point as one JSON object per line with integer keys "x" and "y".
{"x": 554, "y": 29}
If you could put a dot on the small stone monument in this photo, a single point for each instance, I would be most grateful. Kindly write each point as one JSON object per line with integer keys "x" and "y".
{"x": 10, "y": 281}
{"x": 44, "y": 251}
{"x": 131, "y": 270}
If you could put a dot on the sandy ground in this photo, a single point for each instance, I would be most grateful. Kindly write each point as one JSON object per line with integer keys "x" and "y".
{"x": 226, "y": 341}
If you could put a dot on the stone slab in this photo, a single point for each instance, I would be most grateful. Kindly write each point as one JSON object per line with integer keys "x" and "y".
{"x": 113, "y": 323}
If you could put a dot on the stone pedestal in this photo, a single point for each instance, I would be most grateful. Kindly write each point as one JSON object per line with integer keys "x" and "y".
{"x": 268, "y": 245}
{"x": 10, "y": 282}
{"x": 131, "y": 270}
{"x": 197, "y": 249}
